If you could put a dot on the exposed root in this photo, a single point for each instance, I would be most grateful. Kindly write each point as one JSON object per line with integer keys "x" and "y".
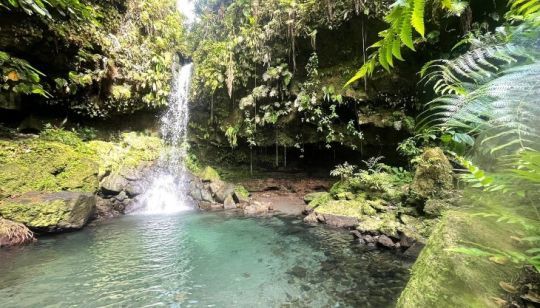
{"x": 14, "y": 233}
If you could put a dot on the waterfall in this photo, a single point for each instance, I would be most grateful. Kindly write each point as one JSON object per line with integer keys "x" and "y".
{"x": 168, "y": 191}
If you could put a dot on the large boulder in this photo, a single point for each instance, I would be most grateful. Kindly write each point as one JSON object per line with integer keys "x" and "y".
{"x": 34, "y": 164}
{"x": 229, "y": 203}
{"x": 433, "y": 176}
{"x": 257, "y": 208}
{"x": 209, "y": 174}
{"x": 338, "y": 221}
{"x": 221, "y": 190}
{"x": 442, "y": 270}
{"x": 133, "y": 181}
{"x": 50, "y": 212}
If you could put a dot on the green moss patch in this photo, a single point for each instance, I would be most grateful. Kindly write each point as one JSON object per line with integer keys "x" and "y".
{"x": 209, "y": 174}
{"x": 444, "y": 277}
{"x": 61, "y": 161}
{"x": 35, "y": 215}
{"x": 39, "y": 165}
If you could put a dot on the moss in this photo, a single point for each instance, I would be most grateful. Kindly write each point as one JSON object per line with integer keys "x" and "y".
{"x": 35, "y": 215}
{"x": 312, "y": 196}
{"x": 346, "y": 195}
{"x": 444, "y": 278}
{"x": 39, "y": 165}
{"x": 341, "y": 208}
{"x": 433, "y": 176}
{"x": 241, "y": 192}
{"x": 59, "y": 160}
{"x": 385, "y": 223}
{"x": 209, "y": 174}
{"x": 128, "y": 152}
{"x": 343, "y": 187}
{"x": 352, "y": 208}
{"x": 435, "y": 207}
{"x": 320, "y": 200}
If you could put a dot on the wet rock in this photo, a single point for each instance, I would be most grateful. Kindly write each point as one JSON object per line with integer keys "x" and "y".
{"x": 122, "y": 196}
{"x": 108, "y": 208}
{"x": 241, "y": 194}
{"x": 370, "y": 239}
{"x": 357, "y": 234}
{"x": 311, "y": 218}
{"x": 385, "y": 241}
{"x": 338, "y": 221}
{"x": 210, "y": 206}
{"x": 257, "y": 208}
{"x": 50, "y": 212}
{"x": 195, "y": 191}
{"x": 206, "y": 195}
{"x": 298, "y": 271}
{"x": 114, "y": 184}
{"x": 229, "y": 203}
{"x": 414, "y": 250}
{"x": 225, "y": 190}
{"x": 406, "y": 241}
{"x": 132, "y": 181}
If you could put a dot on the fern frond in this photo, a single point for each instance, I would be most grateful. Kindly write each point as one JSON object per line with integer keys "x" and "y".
{"x": 417, "y": 17}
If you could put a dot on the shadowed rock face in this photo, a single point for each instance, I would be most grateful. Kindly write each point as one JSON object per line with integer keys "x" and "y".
{"x": 50, "y": 212}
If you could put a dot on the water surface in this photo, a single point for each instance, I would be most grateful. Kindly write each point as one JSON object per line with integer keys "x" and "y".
{"x": 200, "y": 260}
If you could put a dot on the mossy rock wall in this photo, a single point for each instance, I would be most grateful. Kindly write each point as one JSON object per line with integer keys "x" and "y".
{"x": 40, "y": 165}
{"x": 445, "y": 278}
{"x": 59, "y": 160}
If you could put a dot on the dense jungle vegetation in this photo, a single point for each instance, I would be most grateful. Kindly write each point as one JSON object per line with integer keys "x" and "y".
{"x": 429, "y": 106}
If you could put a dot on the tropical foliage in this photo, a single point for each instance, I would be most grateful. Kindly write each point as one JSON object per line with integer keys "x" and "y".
{"x": 110, "y": 57}
{"x": 406, "y": 17}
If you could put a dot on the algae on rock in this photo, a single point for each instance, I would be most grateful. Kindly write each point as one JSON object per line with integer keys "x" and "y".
{"x": 50, "y": 212}
{"x": 39, "y": 165}
{"x": 443, "y": 277}
{"x": 433, "y": 177}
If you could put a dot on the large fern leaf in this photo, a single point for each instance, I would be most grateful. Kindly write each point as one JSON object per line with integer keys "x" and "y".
{"x": 417, "y": 17}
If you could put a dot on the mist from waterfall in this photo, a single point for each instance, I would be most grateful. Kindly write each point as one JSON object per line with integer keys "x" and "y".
{"x": 168, "y": 191}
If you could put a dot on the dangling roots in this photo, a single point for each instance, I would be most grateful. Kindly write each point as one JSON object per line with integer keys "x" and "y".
{"x": 13, "y": 233}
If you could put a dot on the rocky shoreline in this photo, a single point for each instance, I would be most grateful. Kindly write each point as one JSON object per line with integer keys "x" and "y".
{"x": 96, "y": 180}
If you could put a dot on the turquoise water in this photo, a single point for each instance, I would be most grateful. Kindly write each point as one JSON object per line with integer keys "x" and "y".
{"x": 200, "y": 260}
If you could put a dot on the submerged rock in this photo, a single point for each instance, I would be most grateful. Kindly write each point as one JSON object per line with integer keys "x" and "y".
{"x": 50, "y": 212}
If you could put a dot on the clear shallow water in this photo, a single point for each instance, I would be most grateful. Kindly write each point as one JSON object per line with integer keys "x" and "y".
{"x": 200, "y": 260}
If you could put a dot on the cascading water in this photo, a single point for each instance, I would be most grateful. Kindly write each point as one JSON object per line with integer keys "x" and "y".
{"x": 168, "y": 191}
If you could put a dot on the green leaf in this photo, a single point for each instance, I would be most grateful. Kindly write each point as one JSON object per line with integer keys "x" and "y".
{"x": 417, "y": 18}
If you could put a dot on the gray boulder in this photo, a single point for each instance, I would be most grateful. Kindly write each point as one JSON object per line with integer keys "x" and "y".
{"x": 50, "y": 212}
{"x": 229, "y": 203}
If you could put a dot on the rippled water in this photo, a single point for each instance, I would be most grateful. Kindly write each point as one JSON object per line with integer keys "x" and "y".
{"x": 200, "y": 260}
